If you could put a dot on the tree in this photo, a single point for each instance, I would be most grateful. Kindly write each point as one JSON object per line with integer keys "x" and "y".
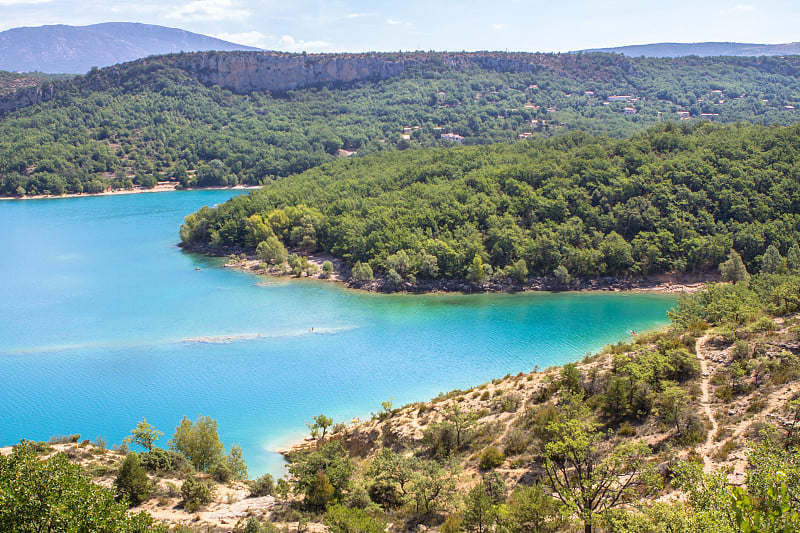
{"x": 477, "y": 272}
{"x": 672, "y": 405}
{"x": 519, "y": 271}
{"x": 341, "y": 519}
{"x": 532, "y": 509}
{"x": 144, "y": 435}
{"x": 199, "y": 441}
{"x": 321, "y": 422}
{"x": 561, "y": 274}
{"x": 327, "y": 269}
{"x": 772, "y": 262}
{"x": 586, "y": 478}
{"x": 236, "y": 463}
{"x": 733, "y": 269}
{"x": 462, "y": 422}
{"x": 329, "y": 459}
{"x": 272, "y": 251}
{"x": 132, "y": 481}
{"x": 793, "y": 258}
{"x": 196, "y": 494}
{"x": 57, "y": 496}
{"x": 479, "y": 512}
{"x": 362, "y": 271}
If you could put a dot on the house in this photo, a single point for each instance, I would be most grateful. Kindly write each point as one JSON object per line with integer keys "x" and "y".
{"x": 588, "y": 93}
{"x": 683, "y": 114}
{"x": 629, "y": 111}
{"x": 453, "y": 137}
{"x": 620, "y": 98}
{"x": 709, "y": 116}
{"x": 789, "y": 107}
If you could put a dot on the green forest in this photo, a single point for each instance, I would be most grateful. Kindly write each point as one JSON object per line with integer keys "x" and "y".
{"x": 151, "y": 121}
{"x": 676, "y": 198}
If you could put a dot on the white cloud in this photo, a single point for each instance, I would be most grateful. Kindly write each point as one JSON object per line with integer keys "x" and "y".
{"x": 497, "y": 26}
{"x": 22, "y": 2}
{"x": 739, "y": 9}
{"x": 288, "y": 43}
{"x": 359, "y": 15}
{"x": 206, "y": 10}
{"x": 249, "y": 38}
{"x": 397, "y": 22}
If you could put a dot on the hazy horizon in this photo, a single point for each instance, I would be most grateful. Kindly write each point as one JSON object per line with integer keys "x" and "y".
{"x": 358, "y": 26}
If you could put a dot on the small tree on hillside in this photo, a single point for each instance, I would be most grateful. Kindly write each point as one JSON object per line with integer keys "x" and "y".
{"x": 585, "y": 477}
{"x": 321, "y": 422}
{"x": 733, "y": 269}
{"x": 362, "y": 271}
{"x": 793, "y": 258}
{"x": 199, "y": 441}
{"x": 772, "y": 261}
{"x": 132, "y": 481}
{"x": 144, "y": 435}
{"x": 272, "y": 251}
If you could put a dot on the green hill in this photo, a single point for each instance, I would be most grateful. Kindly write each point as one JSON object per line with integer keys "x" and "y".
{"x": 171, "y": 117}
{"x": 669, "y": 199}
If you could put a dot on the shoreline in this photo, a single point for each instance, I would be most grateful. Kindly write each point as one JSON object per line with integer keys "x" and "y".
{"x": 656, "y": 283}
{"x": 160, "y": 187}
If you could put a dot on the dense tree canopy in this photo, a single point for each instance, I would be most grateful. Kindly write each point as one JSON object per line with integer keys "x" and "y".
{"x": 153, "y": 121}
{"x": 674, "y": 198}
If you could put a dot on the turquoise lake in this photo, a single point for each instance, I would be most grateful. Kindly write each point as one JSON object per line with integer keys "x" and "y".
{"x": 104, "y": 320}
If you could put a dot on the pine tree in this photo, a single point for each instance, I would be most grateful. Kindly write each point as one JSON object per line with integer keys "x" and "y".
{"x": 733, "y": 269}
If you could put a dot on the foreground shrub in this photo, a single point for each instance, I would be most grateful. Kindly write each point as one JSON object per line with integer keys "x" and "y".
{"x": 491, "y": 458}
{"x": 132, "y": 481}
{"x": 196, "y": 494}
{"x": 263, "y": 486}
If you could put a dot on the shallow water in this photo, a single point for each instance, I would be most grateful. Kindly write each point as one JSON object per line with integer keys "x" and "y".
{"x": 103, "y": 320}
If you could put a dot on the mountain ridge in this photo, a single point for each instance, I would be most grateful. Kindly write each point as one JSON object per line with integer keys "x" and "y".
{"x": 702, "y": 49}
{"x": 76, "y": 49}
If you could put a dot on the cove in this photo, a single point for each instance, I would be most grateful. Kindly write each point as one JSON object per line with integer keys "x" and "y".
{"x": 103, "y": 320}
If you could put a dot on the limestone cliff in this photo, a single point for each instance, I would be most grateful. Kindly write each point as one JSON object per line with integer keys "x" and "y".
{"x": 243, "y": 72}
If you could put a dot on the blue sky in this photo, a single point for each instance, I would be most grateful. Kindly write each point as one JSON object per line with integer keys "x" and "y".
{"x": 360, "y": 25}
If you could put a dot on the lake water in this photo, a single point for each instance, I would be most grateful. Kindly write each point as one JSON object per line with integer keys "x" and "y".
{"x": 103, "y": 320}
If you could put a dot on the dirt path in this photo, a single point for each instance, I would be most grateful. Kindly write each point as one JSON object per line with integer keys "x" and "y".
{"x": 705, "y": 401}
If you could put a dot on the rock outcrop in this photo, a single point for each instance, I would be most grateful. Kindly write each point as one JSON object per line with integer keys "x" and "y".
{"x": 277, "y": 72}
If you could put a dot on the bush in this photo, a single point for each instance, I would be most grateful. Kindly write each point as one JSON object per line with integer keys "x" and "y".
{"x": 517, "y": 442}
{"x": 341, "y": 519}
{"x": 132, "y": 481}
{"x": 362, "y": 271}
{"x": 327, "y": 269}
{"x": 491, "y": 458}
{"x": 162, "y": 461}
{"x": 196, "y": 494}
{"x": 263, "y": 486}
{"x": 221, "y": 473}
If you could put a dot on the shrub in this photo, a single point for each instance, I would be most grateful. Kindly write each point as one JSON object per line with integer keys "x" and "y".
{"x": 517, "y": 442}
{"x": 327, "y": 269}
{"x": 362, "y": 271}
{"x": 162, "y": 461}
{"x": 221, "y": 473}
{"x": 491, "y": 458}
{"x": 132, "y": 481}
{"x": 384, "y": 494}
{"x": 341, "y": 519}
{"x": 263, "y": 486}
{"x": 196, "y": 494}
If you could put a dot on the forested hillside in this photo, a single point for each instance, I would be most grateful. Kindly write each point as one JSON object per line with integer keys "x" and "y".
{"x": 674, "y": 198}
{"x": 154, "y": 120}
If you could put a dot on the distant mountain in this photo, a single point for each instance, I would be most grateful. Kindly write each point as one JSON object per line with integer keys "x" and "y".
{"x": 703, "y": 49}
{"x": 76, "y": 49}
